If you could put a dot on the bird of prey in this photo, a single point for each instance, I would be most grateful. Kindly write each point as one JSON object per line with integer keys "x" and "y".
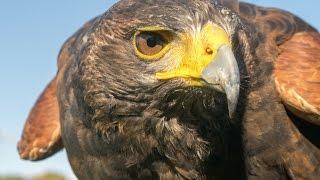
{"x": 184, "y": 89}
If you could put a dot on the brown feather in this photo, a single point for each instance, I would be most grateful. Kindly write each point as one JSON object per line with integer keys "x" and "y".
{"x": 41, "y": 136}
{"x": 297, "y": 75}
{"x": 276, "y": 148}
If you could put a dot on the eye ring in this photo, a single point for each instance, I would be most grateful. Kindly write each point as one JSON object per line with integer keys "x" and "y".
{"x": 151, "y": 45}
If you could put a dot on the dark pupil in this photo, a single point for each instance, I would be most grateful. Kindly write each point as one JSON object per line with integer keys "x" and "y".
{"x": 152, "y": 41}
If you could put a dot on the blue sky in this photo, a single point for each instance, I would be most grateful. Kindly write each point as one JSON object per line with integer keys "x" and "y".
{"x": 31, "y": 34}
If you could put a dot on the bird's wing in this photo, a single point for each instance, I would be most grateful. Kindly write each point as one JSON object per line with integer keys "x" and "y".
{"x": 41, "y": 135}
{"x": 297, "y": 75}
{"x": 297, "y": 67}
{"x": 292, "y": 46}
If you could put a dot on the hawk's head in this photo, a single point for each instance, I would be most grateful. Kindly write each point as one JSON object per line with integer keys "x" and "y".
{"x": 140, "y": 50}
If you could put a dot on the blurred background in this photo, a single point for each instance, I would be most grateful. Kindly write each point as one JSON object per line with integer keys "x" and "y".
{"x": 31, "y": 34}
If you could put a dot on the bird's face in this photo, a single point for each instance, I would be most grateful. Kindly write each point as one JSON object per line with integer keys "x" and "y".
{"x": 185, "y": 42}
{"x": 199, "y": 56}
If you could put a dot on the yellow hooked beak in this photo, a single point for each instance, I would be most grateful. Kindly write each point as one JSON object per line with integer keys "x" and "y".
{"x": 206, "y": 55}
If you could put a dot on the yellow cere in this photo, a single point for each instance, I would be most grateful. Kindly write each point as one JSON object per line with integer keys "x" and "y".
{"x": 194, "y": 51}
{"x": 159, "y": 30}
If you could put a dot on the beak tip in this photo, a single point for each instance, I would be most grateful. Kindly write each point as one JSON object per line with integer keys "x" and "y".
{"x": 224, "y": 71}
{"x": 232, "y": 112}
{"x": 232, "y": 96}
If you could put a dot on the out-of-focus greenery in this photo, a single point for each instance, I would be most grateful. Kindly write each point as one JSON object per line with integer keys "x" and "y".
{"x": 10, "y": 178}
{"x": 45, "y": 176}
{"x": 49, "y": 176}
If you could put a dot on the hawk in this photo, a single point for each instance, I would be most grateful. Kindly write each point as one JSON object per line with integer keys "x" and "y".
{"x": 184, "y": 89}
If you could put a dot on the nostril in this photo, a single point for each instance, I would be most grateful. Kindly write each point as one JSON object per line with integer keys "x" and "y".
{"x": 209, "y": 51}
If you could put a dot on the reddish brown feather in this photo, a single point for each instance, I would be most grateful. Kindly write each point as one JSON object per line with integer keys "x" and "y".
{"x": 297, "y": 75}
{"x": 42, "y": 136}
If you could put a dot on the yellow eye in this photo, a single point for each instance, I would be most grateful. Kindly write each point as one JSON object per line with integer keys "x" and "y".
{"x": 151, "y": 45}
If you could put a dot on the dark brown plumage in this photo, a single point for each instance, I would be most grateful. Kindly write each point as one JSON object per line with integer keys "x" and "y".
{"x": 118, "y": 121}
